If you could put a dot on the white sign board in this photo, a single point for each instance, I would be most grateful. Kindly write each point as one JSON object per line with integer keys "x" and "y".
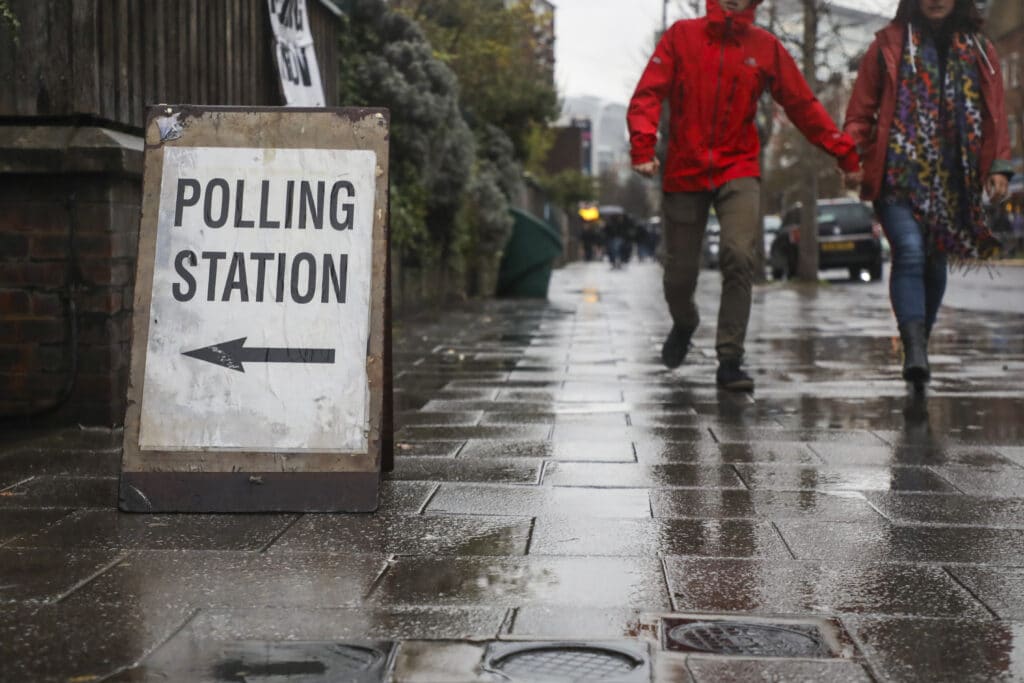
{"x": 260, "y": 313}
{"x": 294, "y": 54}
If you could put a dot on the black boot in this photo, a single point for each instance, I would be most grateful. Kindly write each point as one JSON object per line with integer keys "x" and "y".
{"x": 730, "y": 376}
{"x": 676, "y": 346}
{"x": 915, "y": 353}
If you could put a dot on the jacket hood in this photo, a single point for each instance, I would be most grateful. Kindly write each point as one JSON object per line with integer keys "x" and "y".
{"x": 722, "y": 23}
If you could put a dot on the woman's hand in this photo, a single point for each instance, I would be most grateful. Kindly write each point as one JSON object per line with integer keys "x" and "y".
{"x": 997, "y": 187}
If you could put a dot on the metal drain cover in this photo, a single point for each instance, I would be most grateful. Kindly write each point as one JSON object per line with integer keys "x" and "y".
{"x": 561, "y": 661}
{"x": 746, "y": 639}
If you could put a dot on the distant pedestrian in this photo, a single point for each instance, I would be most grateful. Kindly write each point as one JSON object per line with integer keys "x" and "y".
{"x": 712, "y": 72}
{"x": 616, "y": 234}
{"x": 927, "y": 111}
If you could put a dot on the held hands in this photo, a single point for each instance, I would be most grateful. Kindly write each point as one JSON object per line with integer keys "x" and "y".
{"x": 997, "y": 187}
{"x": 853, "y": 179}
{"x": 648, "y": 169}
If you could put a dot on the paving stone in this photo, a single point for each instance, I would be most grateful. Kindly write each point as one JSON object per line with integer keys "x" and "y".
{"x": 479, "y": 432}
{"x": 712, "y": 670}
{"x": 516, "y": 471}
{"x": 520, "y": 407}
{"x": 47, "y": 574}
{"x": 584, "y": 451}
{"x": 685, "y": 418}
{"x": 527, "y": 501}
{"x": 930, "y": 650}
{"x": 432, "y": 661}
{"x": 110, "y": 529}
{"x": 514, "y": 418}
{"x": 824, "y": 506}
{"x": 885, "y": 542}
{"x": 844, "y": 454}
{"x": 51, "y": 441}
{"x": 659, "y": 452}
{"x": 822, "y": 588}
{"x": 656, "y": 537}
{"x": 344, "y": 623}
{"x": 62, "y": 643}
{"x": 757, "y": 434}
{"x": 992, "y": 482}
{"x": 435, "y": 419}
{"x": 65, "y": 461}
{"x": 439, "y": 449}
{"x": 787, "y": 478}
{"x": 405, "y": 497}
{"x": 560, "y": 622}
{"x": 155, "y": 579}
{"x": 61, "y": 492}
{"x": 404, "y": 535}
{"x": 632, "y": 475}
{"x": 1001, "y": 589}
{"x": 578, "y": 432}
{"x": 1014, "y": 453}
{"x": 514, "y": 582}
{"x": 16, "y": 524}
{"x": 949, "y": 510}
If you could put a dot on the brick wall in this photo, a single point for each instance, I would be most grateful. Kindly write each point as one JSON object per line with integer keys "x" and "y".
{"x": 68, "y": 241}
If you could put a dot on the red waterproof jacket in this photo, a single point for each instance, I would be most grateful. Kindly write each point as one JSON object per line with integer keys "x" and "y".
{"x": 872, "y": 107}
{"x": 712, "y": 71}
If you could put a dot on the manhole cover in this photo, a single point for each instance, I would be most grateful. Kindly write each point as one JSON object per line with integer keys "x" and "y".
{"x": 568, "y": 662}
{"x": 752, "y": 640}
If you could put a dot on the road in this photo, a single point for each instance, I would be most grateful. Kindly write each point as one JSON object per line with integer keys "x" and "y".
{"x": 998, "y": 290}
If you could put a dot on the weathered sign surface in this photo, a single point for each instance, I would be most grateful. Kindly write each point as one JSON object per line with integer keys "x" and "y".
{"x": 257, "y": 360}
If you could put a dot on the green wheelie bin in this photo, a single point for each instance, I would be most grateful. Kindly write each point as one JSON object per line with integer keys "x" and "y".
{"x": 526, "y": 264}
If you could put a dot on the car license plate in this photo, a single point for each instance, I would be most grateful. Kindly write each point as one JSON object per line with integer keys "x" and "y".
{"x": 837, "y": 246}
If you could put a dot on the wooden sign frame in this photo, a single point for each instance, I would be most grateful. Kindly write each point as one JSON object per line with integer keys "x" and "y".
{"x": 234, "y": 480}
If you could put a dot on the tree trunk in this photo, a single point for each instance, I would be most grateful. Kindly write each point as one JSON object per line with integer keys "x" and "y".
{"x": 807, "y": 267}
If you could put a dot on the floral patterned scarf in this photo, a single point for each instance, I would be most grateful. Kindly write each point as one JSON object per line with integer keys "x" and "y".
{"x": 935, "y": 145}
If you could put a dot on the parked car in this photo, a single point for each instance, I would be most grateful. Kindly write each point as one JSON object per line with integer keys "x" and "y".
{"x": 710, "y": 252}
{"x": 848, "y": 237}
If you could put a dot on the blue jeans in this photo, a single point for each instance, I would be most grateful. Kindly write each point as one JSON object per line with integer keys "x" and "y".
{"x": 918, "y": 279}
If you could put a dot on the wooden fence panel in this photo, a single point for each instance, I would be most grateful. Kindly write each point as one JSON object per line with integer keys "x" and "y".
{"x": 110, "y": 59}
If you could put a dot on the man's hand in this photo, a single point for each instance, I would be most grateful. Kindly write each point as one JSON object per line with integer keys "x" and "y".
{"x": 997, "y": 187}
{"x": 648, "y": 169}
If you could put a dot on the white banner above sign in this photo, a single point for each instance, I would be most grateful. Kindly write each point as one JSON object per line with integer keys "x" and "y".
{"x": 294, "y": 54}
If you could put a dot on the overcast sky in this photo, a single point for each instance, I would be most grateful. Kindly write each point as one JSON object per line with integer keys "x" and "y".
{"x": 603, "y": 45}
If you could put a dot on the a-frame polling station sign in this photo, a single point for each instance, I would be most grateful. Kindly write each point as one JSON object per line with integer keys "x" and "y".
{"x": 257, "y": 363}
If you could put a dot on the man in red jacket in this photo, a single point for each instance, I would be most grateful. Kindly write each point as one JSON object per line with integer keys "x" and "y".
{"x": 712, "y": 72}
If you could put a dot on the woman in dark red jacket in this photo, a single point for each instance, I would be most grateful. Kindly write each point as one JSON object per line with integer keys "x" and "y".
{"x": 928, "y": 117}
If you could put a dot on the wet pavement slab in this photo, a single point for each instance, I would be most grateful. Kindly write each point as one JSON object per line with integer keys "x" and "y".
{"x": 555, "y": 484}
{"x": 587, "y": 581}
{"x": 787, "y": 587}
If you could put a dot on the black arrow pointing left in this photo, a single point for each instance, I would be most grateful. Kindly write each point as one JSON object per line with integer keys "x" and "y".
{"x": 233, "y": 354}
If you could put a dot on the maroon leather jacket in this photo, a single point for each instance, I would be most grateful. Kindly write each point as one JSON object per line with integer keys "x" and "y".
{"x": 873, "y": 104}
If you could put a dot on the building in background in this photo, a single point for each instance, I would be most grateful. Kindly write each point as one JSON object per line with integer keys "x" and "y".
{"x": 610, "y": 138}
